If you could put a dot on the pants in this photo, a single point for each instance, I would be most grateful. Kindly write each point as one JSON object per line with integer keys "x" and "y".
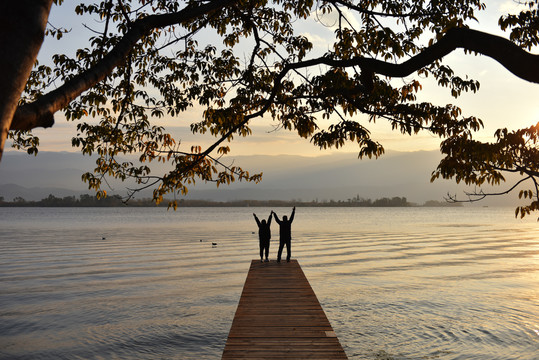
{"x": 288, "y": 251}
{"x": 264, "y": 247}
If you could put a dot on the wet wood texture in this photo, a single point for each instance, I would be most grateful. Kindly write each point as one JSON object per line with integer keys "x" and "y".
{"x": 279, "y": 317}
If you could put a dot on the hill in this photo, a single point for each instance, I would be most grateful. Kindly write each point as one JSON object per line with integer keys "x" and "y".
{"x": 337, "y": 176}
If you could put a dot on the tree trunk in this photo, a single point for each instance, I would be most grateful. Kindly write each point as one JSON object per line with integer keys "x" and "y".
{"x": 22, "y": 30}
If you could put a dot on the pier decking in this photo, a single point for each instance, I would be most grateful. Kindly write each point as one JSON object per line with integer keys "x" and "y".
{"x": 279, "y": 317}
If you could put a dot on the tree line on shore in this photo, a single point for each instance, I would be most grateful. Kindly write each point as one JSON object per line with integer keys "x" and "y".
{"x": 87, "y": 200}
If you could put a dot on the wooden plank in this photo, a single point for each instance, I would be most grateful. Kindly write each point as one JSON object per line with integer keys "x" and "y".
{"x": 279, "y": 317}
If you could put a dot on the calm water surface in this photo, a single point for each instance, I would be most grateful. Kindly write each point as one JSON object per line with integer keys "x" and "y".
{"x": 144, "y": 283}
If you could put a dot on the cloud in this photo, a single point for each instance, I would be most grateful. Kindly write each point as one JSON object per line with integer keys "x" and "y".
{"x": 511, "y": 7}
{"x": 319, "y": 42}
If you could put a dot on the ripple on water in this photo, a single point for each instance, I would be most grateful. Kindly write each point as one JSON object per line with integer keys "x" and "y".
{"x": 152, "y": 289}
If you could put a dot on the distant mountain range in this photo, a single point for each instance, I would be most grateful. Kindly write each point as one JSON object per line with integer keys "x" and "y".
{"x": 337, "y": 176}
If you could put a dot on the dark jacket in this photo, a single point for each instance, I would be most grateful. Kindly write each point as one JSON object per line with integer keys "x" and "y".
{"x": 264, "y": 230}
{"x": 285, "y": 226}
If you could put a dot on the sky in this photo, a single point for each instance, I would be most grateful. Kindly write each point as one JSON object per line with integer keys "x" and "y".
{"x": 502, "y": 101}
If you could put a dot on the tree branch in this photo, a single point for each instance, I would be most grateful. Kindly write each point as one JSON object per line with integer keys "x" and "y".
{"x": 22, "y": 30}
{"x": 496, "y": 47}
{"x": 513, "y": 58}
{"x": 363, "y": 10}
{"x": 40, "y": 112}
{"x": 478, "y": 196}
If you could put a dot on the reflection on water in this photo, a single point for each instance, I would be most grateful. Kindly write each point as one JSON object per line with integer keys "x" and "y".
{"x": 144, "y": 283}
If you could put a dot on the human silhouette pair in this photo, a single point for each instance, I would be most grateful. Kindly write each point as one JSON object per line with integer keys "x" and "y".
{"x": 285, "y": 235}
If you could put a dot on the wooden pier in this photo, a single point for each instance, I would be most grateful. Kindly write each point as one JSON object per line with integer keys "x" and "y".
{"x": 279, "y": 317}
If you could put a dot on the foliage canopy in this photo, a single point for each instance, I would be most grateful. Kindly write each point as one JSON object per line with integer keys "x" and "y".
{"x": 153, "y": 59}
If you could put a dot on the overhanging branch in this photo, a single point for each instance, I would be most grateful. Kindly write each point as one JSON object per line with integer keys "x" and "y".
{"x": 478, "y": 196}
{"x": 40, "y": 112}
{"x": 521, "y": 63}
{"x": 518, "y": 61}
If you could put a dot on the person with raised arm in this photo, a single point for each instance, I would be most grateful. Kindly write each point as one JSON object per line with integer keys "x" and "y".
{"x": 285, "y": 234}
{"x": 264, "y": 236}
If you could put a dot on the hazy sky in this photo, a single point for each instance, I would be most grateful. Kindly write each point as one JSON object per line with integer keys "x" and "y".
{"x": 502, "y": 101}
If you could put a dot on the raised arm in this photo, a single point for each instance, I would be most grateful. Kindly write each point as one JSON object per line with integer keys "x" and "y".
{"x": 256, "y": 218}
{"x": 269, "y": 218}
{"x": 276, "y": 218}
{"x": 293, "y": 213}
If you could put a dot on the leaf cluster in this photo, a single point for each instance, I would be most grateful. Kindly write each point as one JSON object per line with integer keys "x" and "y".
{"x": 478, "y": 163}
{"x": 257, "y": 65}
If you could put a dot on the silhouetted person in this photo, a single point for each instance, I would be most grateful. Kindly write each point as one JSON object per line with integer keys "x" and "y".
{"x": 285, "y": 234}
{"x": 264, "y": 236}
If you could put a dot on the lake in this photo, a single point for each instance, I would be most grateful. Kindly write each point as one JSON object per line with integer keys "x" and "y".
{"x": 147, "y": 283}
